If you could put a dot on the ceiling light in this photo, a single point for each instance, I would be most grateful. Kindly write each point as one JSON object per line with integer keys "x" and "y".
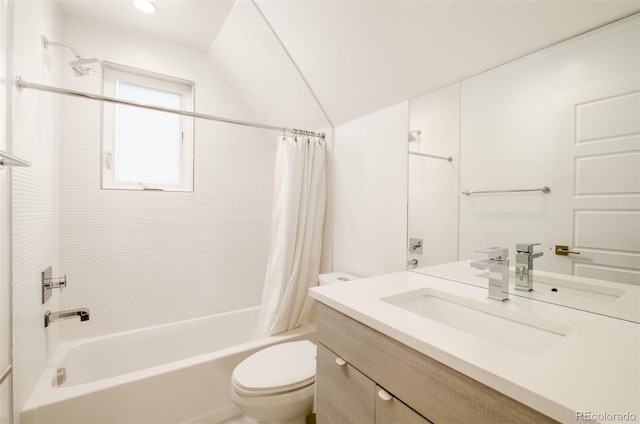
{"x": 145, "y": 5}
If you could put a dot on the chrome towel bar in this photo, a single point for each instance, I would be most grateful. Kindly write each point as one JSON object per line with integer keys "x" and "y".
{"x": 544, "y": 189}
{"x": 7, "y": 159}
{"x": 426, "y": 155}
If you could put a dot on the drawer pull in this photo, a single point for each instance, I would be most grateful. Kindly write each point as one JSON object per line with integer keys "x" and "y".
{"x": 384, "y": 395}
{"x": 341, "y": 362}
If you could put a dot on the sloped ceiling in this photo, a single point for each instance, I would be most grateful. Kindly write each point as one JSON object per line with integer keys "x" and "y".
{"x": 254, "y": 63}
{"x": 362, "y": 56}
{"x": 359, "y": 56}
{"x": 191, "y": 23}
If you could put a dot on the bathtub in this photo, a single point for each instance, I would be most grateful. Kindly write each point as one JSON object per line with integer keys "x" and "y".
{"x": 174, "y": 373}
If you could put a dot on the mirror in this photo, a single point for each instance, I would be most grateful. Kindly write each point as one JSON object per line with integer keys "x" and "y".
{"x": 566, "y": 117}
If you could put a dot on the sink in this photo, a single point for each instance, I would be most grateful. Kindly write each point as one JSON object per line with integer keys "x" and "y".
{"x": 608, "y": 298}
{"x": 494, "y": 323}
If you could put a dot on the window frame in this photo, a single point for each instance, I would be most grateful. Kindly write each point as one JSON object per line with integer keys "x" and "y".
{"x": 112, "y": 75}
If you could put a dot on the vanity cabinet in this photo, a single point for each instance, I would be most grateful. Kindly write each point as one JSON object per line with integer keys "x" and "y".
{"x": 425, "y": 390}
{"x": 345, "y": 395}
{"x": 390, "y": 410}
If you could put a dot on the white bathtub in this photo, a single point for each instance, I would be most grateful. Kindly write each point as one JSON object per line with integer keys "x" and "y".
{"x": 175, "y": 373}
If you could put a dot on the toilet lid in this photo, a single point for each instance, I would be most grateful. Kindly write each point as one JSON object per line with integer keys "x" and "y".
{"x": 277, "y": 369}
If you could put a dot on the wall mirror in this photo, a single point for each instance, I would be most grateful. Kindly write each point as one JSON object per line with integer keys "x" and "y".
{"x": 567, "y": 118}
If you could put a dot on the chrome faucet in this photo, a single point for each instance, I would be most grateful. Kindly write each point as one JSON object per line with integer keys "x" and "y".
{"x": 498, "y": 266}
{"x": 50, "y": 317}
{"x": 524, "y": 265}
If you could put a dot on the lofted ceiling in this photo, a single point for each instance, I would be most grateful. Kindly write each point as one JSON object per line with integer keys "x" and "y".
{"x": 361, "y": 56}
{"x": 191, "y": 23}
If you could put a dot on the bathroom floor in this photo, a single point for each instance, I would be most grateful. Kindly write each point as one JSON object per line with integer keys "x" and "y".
{"x": 240, "y": 419}
{"x": 243, "y": 419}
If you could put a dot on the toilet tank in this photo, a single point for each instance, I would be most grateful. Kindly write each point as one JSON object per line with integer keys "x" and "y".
{"x": 335, "y": 277}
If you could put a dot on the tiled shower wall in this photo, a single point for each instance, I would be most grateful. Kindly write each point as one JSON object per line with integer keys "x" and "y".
{"x": 35, "y": 229}
{"x": 143, "y": 258}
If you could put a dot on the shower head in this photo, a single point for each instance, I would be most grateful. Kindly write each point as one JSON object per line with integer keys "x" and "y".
{"x": 81, "y": 66}
{"x": 84, "y": 66}
{"x": 414, "y": 135}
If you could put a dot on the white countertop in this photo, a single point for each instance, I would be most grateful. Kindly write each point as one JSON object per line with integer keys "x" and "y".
{"x": 595, "y": 368}
{"x": 622, "y": 302}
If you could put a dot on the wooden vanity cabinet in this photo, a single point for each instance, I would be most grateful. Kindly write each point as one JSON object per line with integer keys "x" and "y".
{"x": 425, "y": 390}
{"x": 344, "y": 395}
{"x": 390, "y": 410}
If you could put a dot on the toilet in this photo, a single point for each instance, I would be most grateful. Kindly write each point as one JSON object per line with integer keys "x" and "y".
{"x": 276, "y": 385}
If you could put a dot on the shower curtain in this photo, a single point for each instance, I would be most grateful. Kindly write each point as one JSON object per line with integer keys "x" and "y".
{"x": 296, "y": 233}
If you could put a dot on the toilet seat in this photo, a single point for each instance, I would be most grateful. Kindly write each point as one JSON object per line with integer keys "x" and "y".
{"x": 276, "y": 370}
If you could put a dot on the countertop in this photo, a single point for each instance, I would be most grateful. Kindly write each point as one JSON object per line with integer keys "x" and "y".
{"x": 620, "y": 300}
{"x": 594, "y": 369}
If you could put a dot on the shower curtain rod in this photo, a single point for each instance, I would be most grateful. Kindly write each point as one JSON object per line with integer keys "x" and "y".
{"x": 21, "y": 85}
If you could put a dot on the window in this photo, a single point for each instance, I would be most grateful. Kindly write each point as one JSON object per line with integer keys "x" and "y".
{"x": 144, "y": 149}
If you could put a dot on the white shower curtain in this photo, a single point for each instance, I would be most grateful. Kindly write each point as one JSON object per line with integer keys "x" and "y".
{"x": 297, "y": 221}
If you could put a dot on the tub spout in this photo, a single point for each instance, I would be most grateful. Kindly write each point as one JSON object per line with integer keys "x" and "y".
{"x": 50, "y": 317}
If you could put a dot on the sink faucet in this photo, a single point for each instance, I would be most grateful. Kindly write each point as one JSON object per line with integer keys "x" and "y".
{"x": 498, "y": 266}
{"x": 524, "y": 265}
{"x": 50, "y": 317}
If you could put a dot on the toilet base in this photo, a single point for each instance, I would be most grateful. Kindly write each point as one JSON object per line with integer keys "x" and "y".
{"x": 287, "y": 408}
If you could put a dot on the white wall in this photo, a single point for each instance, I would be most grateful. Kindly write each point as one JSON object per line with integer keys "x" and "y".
{"x": 144, "y": 258}
{"x": 34, "y": 193}
{"x": 434, "y": 183}
{"x": 256, "y": 66}
{"x": 370, "y": 195}
{"x": 507, "y": 136}
{"x": 6, "y": 18}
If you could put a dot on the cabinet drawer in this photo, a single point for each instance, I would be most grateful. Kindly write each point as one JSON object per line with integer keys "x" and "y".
{"x": 343, "y": 394}
{"x": 434, "y": 390}
{"x": 390, "y": 410}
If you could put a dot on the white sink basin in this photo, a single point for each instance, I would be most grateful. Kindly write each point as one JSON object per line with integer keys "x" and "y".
{"x": 494, "y": 323}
